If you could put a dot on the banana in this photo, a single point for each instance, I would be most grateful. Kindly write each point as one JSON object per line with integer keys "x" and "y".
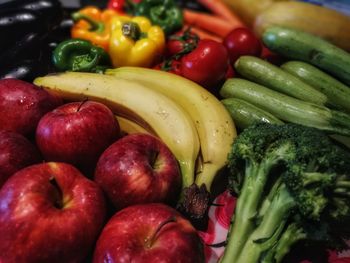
{"x": 149, "y": 108}
{"x": 129, "y": 127}
{"x": 214, "y": 125}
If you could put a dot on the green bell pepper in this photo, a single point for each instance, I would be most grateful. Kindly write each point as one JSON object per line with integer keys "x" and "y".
{"x": 80, "y": 55}
{"x": 164, "y": 13}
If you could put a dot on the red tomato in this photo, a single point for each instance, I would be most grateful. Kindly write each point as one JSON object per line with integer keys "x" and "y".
{"x": 242, "y": 41}
{"x": 207, "y": 64}
{"x": 172, "y": 66}
{"x": 119, "y": 5}
{"x": 181, "y": 43}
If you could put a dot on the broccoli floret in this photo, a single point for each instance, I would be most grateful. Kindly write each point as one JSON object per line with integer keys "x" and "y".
{"x": 290, "y": 180}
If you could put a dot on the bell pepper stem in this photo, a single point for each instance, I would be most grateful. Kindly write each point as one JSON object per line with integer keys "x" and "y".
{"x": 95, "y": 26}
{"x": 131, "y": 30}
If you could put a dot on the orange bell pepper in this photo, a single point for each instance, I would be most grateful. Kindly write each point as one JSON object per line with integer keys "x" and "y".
{"x": 92, "y": 24}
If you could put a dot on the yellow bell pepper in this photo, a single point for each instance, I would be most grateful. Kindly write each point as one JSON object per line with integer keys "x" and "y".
{"x": 135, "y": 41}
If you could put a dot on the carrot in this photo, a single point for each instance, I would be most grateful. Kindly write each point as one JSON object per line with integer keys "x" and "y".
{"x": 211, "y": 23}
{"x": 202, "y": 34}
{"x": 219, "y": 8}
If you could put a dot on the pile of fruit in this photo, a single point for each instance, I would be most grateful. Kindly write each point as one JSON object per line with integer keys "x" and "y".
{"x": 125, "y": 130}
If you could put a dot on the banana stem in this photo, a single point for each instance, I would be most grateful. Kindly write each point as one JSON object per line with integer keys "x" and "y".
{"x": 207, "y": 175}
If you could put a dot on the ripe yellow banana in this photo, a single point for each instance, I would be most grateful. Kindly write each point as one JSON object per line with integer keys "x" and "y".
{"x": 129, "y": 127}
{"x": 149, "y": 108}
{"x": 214, "y": 125}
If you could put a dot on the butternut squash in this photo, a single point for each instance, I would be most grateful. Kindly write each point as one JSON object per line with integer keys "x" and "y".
{"x": 247, "y": 10}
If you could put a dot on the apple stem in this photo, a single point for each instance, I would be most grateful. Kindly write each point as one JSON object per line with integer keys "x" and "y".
{"x": 153, "y": 160}
{"x": 149, "y": 241}
{"x": 58, "y": 198}
{"x": 81, "y": 104}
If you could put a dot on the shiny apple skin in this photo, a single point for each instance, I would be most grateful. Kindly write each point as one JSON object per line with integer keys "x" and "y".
{"x": 138, "y": 168}
{"x": 123, "y": 239}
{"x": 22, "y": 104}
{"x": 49, "y": 212}
{"x": 16, "y": 152}
{"x": 77, "y": 133}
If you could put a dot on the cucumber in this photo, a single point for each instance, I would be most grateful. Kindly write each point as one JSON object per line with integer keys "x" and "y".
{"x": 306, "y": 47}
{"x": 287, "y": 108}
{"x": 271, "y": 76}
{"x": 245, "y": 114}
{"x": 338, "y": 93}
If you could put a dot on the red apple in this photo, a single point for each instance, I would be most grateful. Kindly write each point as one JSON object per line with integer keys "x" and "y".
{"x": 77, "y": 133}
{"x": 49, "y": 212}
{"x": 16, "y": 152}
{"x": 148, "y": 233}
{"x": 138, "y": 168}
{"x": 22, "y": 104}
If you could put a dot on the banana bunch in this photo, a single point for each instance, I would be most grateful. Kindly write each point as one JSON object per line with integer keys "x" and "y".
{"x": 186, "y": 117}
{"x": 129, "y": 127}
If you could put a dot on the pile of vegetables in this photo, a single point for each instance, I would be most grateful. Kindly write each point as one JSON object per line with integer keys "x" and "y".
{"x": 165, "y": 35}
{"x": 309, "y": 88}
{"x": 308, "y": 16}
{"x": 291, "y": 178}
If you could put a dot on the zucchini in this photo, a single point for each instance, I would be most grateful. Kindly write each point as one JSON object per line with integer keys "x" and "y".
{"x": 338, "y": 93}
{"x": 245, "y": 114}
{"x": 287, "y": 108}
{"x": 299, "y": 45}
{"x": 271, "y": 76}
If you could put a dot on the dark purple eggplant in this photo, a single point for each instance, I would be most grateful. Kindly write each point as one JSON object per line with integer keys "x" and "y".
{"x": 50, "y": 10}
{"x": 26, "y": 47}
{"x": 26, "y": 70}
{"x": 16, "y": 23}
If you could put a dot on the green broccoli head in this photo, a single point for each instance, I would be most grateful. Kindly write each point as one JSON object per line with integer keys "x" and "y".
{"x": 313, "y": 175}
{"x": 306, "y": 158}
{"x": 319, "y": 180}
{"x": 258, "y": 147}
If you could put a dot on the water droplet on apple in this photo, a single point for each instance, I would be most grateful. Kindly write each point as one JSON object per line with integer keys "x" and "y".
{"x": 29, "y": 105}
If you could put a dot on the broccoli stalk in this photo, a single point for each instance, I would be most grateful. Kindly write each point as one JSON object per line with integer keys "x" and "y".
{"x": 292, "y": 182}
{"x": 290, "y": 236}
{"x": 252, "y": 190}
{"x": 266, "y": 235}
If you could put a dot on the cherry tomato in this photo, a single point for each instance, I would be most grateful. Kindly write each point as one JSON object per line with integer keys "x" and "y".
{"x": 242, "y": 41}
{"x": 207, "y": 64}
{"x": 181, "y": 43}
